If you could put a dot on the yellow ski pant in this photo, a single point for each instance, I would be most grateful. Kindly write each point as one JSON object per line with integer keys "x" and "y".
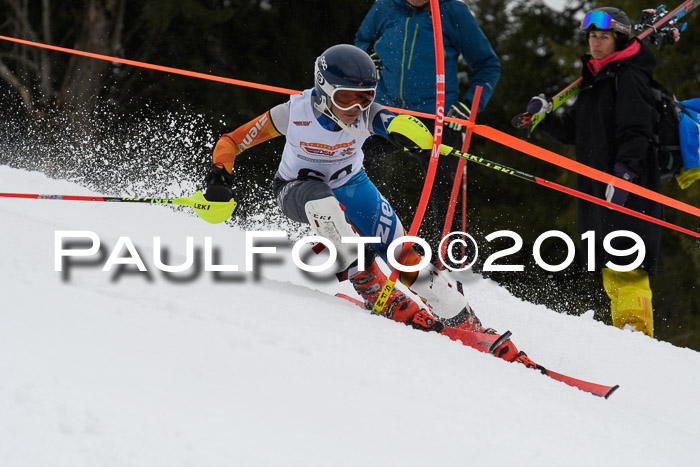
{"x": 630, "y": 299}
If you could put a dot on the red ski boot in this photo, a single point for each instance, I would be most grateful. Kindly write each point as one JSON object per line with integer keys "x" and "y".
{"x": 443, "y": 296}
{"x": 399, "y": 307}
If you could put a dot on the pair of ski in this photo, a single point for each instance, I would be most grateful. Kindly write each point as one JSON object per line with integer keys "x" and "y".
{"x": 488, "y": 343}
{"x": 657, "y": 26}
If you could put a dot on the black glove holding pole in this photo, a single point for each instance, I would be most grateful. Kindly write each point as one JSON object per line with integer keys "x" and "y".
{"x": 219, "y": 184}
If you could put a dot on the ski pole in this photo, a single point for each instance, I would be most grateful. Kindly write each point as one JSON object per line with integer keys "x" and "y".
{"x": 425, "y": 143}
{"x": 447, "y": 150}
{"x": 213, "y": 212}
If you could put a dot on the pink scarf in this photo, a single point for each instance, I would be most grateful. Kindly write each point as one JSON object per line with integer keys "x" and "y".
{"x": 596, "y": 65}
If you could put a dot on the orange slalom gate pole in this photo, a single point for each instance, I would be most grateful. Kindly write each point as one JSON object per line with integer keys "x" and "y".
{"x": 570, "y": 191}
{"x": 383, "y": 297}
{"x": 554, "y": 158}
{"x": 150, "y": 66}
{"x": 483, "y": 130}
{"x": 460, "y": 175}
{"x": 192, "y": 74}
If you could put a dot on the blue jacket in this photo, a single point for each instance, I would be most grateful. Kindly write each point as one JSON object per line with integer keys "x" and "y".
{"x": 403, "y": 38}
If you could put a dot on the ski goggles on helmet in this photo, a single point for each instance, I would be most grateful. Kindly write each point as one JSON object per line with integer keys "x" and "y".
{"x": 603, "y": 21}
{"x": 346, "y": 99}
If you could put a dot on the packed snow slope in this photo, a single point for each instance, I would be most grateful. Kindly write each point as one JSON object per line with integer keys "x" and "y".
{"x": 267, "y": 368}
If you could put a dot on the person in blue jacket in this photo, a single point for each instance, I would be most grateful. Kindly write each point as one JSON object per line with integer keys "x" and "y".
{"x": 400, "y": 32}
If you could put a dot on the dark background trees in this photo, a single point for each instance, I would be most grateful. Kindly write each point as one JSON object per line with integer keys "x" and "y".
{"x": 120, "y": 128}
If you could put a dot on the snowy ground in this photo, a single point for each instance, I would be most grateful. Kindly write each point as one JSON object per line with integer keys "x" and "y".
{"x": 238, "y": 369}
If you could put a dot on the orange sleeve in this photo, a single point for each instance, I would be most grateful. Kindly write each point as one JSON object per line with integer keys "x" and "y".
{"x": 231, "y": 144}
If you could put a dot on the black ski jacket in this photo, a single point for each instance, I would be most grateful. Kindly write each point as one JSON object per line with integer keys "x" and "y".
{"x": 610, "y": 122}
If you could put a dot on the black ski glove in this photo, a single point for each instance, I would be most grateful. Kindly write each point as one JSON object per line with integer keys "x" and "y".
{"x": 403, "y": 143}
{"x": 461, "y": 111}
{"x": 219, "y": 184}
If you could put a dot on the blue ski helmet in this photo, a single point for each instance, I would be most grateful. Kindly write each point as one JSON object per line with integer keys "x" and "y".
{"x": 342, "y": 66}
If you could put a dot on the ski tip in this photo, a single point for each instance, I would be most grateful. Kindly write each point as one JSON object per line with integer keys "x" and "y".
{"x": 350, "y": 299}
{"x": 613, "y": 389}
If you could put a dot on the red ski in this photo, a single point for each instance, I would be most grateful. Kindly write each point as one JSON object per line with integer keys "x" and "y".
{"x": 357, "y": 302}
{"x": 596, "y": 389}
{"x": 501, "y": 346}
{"x": 493, "y": 343}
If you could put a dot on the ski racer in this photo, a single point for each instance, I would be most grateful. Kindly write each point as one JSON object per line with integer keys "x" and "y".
{"x": 321, "y": 182}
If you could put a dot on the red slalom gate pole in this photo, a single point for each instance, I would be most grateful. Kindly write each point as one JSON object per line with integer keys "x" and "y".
{"x": 464, "y": 202}
{"x": 460, "y": 175}
{"x": 434, "y": 156}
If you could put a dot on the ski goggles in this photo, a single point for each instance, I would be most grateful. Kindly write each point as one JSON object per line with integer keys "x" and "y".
{"x": 602, "y": 20}
{"x": 346, "y": 99}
